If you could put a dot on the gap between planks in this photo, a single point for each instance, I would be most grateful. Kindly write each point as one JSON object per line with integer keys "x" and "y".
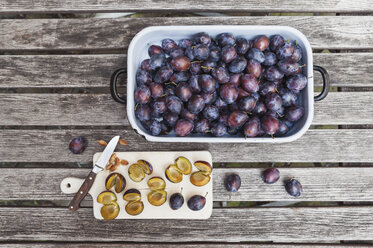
{"x": 178, "y": 245}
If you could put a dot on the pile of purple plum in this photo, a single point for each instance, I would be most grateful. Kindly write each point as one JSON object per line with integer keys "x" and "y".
{"x": 222, "y": 86}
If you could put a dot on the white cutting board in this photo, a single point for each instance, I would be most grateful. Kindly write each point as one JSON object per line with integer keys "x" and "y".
{"x": 160, "y": 161}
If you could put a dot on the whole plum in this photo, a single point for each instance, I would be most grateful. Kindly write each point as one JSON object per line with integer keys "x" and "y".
{"x": 78, "y": 145}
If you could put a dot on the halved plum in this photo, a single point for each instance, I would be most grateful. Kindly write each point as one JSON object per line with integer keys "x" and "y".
{"x": 173, "y": 174}
{"x": 110, "y": 211}
{"x": 132, "y": 195}
{"x": 184, "y": 165}
{"x": 106, "y": 197}
{"x": 134, "y": 207}
{"x": 203, "y": 166}
{"x": 136, "y": 173}
{"x": 157, "y": 197}
{"x": 146, "y": 166}
{"x": 200, "y": 178}
{"x": 117, "y": 181}
{"x": 156, "y": 183}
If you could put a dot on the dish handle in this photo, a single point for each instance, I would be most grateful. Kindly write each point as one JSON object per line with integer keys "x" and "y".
{"x": 325, "y": 80}
{"x": 113, "y": 85}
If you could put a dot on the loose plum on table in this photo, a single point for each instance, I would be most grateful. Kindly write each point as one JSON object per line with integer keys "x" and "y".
{"x": 294, "y": 187}
{"x": 271, "y": 175}
{"x": 78, "y": 145}
{"x": 232, "y": 183}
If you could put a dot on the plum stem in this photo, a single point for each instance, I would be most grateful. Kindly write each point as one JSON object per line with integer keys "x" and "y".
{"x": 302, "y": 65}
{"x": 181, "y": 190}
{"x": 272, "y": 136}
{"x": 136, "y": 106}
{"x": 310, "y": 77}
{"x": 260, "y": 79}
{"x": 174, "y": 83}
{"x": 279, "y": 114}
{"x": 207, "y": 67}
{"x": 196, "y": 61}
{"x": 291, "y": 179}
{"x": 206, "y": 194}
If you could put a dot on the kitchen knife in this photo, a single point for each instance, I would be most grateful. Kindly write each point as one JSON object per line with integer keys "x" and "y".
{"x": 88, "y": 182}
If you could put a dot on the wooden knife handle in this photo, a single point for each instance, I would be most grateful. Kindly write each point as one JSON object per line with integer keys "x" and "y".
{"x": 83, "y": 191}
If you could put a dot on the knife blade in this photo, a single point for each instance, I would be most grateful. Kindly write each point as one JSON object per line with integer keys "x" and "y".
{"x": 99, "y": 166}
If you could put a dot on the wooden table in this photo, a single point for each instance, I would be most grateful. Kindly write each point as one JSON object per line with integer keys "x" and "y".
{"x": 54, "y": 77}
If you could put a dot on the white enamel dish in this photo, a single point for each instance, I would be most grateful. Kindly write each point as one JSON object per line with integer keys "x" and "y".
{"x": 138, "y": 51}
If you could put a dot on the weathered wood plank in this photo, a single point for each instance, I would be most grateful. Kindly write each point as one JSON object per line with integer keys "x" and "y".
{"x": 62, "y": 109}
{"x": 59, "y": 71}
{"x": 231, "y": 225}
{"x": 330, "y": 32}
{"x": 178, "y": 245}
{"x": 185, "y": 6}
{"x": 319, "y": 184}
{"x": 90, "y": 71}
{"x": 101, "y": 110}
{"x": 346, "y": 69}
{"x": 318, "y": 145}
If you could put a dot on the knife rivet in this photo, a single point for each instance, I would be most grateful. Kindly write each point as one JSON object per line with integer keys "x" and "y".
{"x": 81, "y": 192}
{"x": 90, "y": 178}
